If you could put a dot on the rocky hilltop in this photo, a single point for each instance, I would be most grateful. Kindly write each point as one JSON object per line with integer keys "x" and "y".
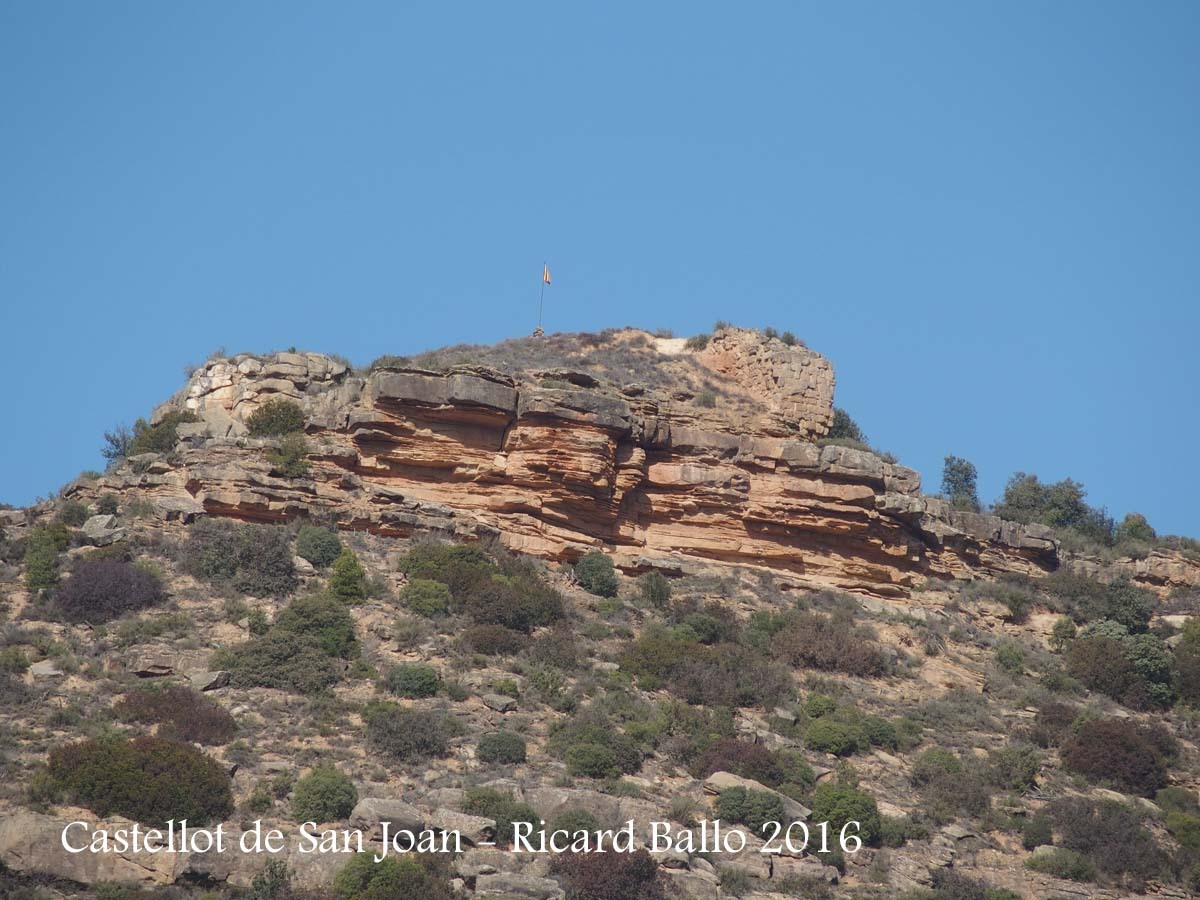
{"x": 667, "y": 456}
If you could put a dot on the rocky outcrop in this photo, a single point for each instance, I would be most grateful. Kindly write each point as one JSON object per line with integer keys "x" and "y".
{"x": 554, "y": 469}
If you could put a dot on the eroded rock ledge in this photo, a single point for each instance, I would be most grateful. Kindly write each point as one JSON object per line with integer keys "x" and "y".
{"x": 557, "y": 462}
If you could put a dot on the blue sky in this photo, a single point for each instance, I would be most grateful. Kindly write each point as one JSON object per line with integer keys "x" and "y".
{"x": 987, "y": 215}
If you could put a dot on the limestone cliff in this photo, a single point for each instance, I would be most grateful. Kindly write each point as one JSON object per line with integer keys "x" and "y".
{"x": 667, "y": 456}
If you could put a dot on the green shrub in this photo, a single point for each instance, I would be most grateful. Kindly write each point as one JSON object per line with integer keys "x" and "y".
{"x": 1186, "y": 663}
{"x": 1062, "y": 633}
{"x": 323, "y": 795}
{"x": 182, "y": 714}
{"x": 13, "y": 661}
{"x": 1134, "y": 527}
{"x": 41, "y": 559}
{"x": 826, "y": 735}
{"x": 829, "y": 643}
{"x": 838, "y": 803}
{"x": 407, "y": 735}
{"x": 509, "y": 593}
{"x": 289, "y": 459}
{"x": 1065, "y": 864}
{"x": 596, "y": 574}
{"x": 73, "y": 513}
{"x": 148, "y": 779}
{"x": 895, "y": 832}
{"x": 319, "y": 546}
{"x": 949, "y": 884}
{"x": 962, "y": 794}
{"x": 281, "y": 660}
{"x": 347, "y": 580}
{"x": 755, "y": 761}
{"x": 748, "y": 807}
{"x": 1014, "y": 768}
{"x": 1017, "y": 598}
{"x": 461, "y": 567}
{"x": 1086, "y": 600}
{"x": 609, "y": 876}
{"x": 1059, "y": 505}
{"x": 845, "y": 428}
{"x": 1130, "y": 757}
{"x": 520, "y": 604}
{"x": 1185, "y": 828}
{"x": 592, "y": 726}
{"x": 413, "y": 680}
{"x": 959, "y": 483}
{"x": 655, "y": 589}
{"x": 159, "y": 438}
{"x": 498, "y": 805}
{"x": 426, "y": 598}
{"x": 501, "y": 747}
{"x": 411, "y": 875}
{"x": 276, "y": 418}
{"x": 494, "y": 640}
{"x": 1101, "y": 664}
{"x": 697, "y": 342}
{"x": 556, "y": 648}
{"x": 253, "y": 559}
{"x": 1036, "y": 831}
{"x": 325, "y": 622}
{"x": 107, "y": 505}
{"x": 1111, "y": 835}
{"x": 818, "y": 705}
{"x": 592, "y": 761}
{"x": 98, "y": 590}
{"x": 1010, "y": 657}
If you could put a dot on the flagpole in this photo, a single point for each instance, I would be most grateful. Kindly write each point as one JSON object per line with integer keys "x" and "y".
{"x": 541, "y": 295}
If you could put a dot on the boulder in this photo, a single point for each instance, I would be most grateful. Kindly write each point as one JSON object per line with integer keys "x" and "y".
{"x": 473, "y": 829}
{"x": 46, "y": 668}
{"x": 370, "y": 812}
{"x": 512, "y": 886}
{"x": 208, "y": 681}
{"x": 806, "y": 867}
{"x": 103, "y": 530}
{"x": 719, "y": 781}
{"x": 31, "y": 843}
{"x": 499, "y": 702}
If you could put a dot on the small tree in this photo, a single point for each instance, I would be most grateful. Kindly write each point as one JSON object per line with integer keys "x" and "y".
{"x": 1187, "y": 664}
{"x": 845, "y": 428}
{"x": 596, "y": 575}
{"x": 426, "y": 597}
{"x": 1135, "y": 527}
{"x": 1062, "y": 633}
{"x": 958, "y": 483}
{"x": 319, "y": 546}
{"x": 117, "y": 443}
{"x": 276, "y": 418}
{"x": 323, "y": 795}
{"x": 347, "y": 580}
{"x": 290, "y": 458}
{"x": 413, "y": 680}
{"x": 41, "y": 561}
{"x": 655, "y": 589}
{"x": 501, "y": 747}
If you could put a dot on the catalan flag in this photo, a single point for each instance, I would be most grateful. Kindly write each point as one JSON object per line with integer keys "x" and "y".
{"x": 545, "y": 274}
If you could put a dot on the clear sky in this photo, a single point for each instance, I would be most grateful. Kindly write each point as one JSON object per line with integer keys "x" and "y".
{"x": 986, "y": 214}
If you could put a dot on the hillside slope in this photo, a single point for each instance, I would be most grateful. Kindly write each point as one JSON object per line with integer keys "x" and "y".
{"x": 585, "y": 580}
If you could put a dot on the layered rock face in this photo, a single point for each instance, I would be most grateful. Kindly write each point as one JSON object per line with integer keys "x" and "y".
{"x": 718, "y": 462}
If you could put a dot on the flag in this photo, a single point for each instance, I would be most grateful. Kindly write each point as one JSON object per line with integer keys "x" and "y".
{"x": 545, "y": 274}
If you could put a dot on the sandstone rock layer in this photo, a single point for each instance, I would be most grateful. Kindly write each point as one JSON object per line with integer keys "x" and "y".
{"x": 721, "y": 464}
